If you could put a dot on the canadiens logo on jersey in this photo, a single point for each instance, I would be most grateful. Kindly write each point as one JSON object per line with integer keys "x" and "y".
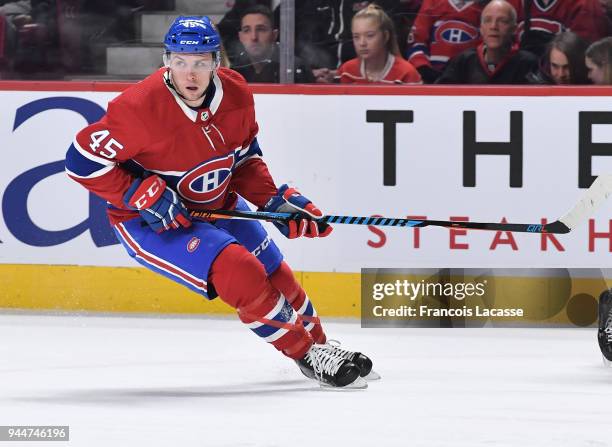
{"x": 193, "y": 244}
{"x": 454, "y": 31}
{"x": 545, "y": 5}
{"x": 208, "y": 181}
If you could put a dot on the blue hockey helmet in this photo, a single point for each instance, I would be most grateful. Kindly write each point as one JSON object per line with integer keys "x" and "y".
{"x": 192, "y": 34}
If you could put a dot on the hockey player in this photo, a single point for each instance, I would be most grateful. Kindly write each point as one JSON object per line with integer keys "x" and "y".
{"x": 186, "y": 138}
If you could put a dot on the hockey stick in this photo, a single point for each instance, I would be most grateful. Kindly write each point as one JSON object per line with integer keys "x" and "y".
{"x": 594, "y": 197}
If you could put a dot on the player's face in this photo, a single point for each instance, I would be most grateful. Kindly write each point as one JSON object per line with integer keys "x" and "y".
{"x": 596, "y": 73}
{"x": 369, "y": 40}
{"x": 559, "y": 67}
{"x": 496, "y": 25}
{"x": 257, "y": 35}
{"x": 191, "y": 74}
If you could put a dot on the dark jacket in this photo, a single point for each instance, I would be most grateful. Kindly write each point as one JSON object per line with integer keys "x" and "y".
{"x": 271, "y": 70}
{"x": 470, "y": 67}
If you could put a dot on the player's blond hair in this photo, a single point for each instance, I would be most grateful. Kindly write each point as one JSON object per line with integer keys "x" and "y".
{"x": 373, "y": 11}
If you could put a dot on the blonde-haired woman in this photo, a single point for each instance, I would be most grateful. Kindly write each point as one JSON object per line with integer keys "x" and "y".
{"x": 378, "y": 58}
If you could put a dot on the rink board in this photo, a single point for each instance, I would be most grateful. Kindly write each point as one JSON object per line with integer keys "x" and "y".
{"x": 136, "y": 290}
{"x": 367, "y": 151}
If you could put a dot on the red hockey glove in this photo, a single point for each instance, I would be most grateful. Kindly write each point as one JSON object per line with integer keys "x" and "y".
{"x": 157, "y": 204}
{"x": 289, "y": 200}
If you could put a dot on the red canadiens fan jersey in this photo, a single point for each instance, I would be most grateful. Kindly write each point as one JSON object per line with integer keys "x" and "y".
{"x": 205, "y": 155}
{"x": 396, "y": 71}
{"x": 584, "y": 17}
{"x": 443, "y": 29}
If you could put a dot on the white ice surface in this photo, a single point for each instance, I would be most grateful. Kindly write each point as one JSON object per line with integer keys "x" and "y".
{"x": 127, "y": 381}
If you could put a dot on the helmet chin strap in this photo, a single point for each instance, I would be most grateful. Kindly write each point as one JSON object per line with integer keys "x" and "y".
{"x": 169, "y": 83}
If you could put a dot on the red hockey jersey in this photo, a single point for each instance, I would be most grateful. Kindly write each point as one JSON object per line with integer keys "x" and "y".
{"x": 204, "y": 155}
{"x": 396, "y": 71}
{"x": 443, "y": 29}
{"x": 584, "y": 17}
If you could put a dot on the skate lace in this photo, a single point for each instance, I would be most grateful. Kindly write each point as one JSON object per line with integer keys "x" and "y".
{"x": 324, "y": 360}
{"x": 335, "y": 345}
{"x": 608, "y": 328}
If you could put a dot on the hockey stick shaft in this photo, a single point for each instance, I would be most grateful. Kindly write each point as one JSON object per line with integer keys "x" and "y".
{"x": 554, "y": 227}
{"x": 594, "y": 197}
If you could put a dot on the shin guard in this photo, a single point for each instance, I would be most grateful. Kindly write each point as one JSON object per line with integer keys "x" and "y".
{"x": 241, "y": 281}
{"x": 283, "y": 280}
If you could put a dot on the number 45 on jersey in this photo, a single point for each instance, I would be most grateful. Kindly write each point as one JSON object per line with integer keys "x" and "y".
{"x": 109, "y": 150}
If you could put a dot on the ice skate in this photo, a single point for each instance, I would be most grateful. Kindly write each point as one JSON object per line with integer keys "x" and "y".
{"x": 359, "y": 359}
{"x": 604, "y": 334}
{"x": 330, "y": 368}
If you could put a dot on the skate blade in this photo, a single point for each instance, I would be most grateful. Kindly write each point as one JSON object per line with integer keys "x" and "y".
{"x": 359, "y": 384}
{"x": 373, "y": 375}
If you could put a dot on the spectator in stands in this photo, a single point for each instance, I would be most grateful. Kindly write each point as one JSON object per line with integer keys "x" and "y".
{"x": 563, "y": 62}
{"x": 496, "y": 60}
{"x": 378, "y": 57}
{"x": 229, "y": 26}
{"x": 599, "y": 60}
{"x": 541, "y": 20}
{"x": 259, "y": 62}
{"x": 322, "y": 34}
{"x": 442, "y": 30}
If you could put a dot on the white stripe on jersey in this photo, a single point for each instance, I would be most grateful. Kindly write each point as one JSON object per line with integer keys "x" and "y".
{"x": 438, "y": 58}
{"x": 247, "y": 159}
{"x": 94, "y": 174}
{"x": 169, "y": 173}
{"x": 216, "y": 101}
{"x": 90, "y": 156}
